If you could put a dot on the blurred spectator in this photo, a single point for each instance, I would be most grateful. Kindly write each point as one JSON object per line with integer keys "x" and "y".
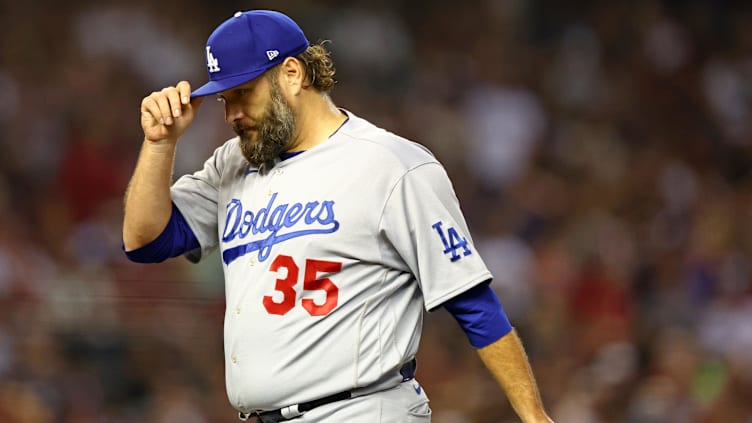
{"x": 603, "y": 153}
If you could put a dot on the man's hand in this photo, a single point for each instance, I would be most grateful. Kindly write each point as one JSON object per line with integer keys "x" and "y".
{"x": 166, "y": 114}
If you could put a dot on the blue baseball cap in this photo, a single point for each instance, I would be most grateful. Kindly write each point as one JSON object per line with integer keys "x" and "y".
{"x": 246, "y": 45}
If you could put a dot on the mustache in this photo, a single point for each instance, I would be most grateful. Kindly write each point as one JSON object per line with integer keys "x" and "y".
{"x": 240, "y": 127}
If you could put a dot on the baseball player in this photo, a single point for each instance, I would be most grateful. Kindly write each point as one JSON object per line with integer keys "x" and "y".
{"x": 334, "y": 235}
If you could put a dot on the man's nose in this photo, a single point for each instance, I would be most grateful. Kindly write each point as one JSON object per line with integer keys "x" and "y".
{"x": 233, "y": 112}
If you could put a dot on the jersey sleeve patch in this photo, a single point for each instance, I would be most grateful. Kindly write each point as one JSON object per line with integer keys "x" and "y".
{"x": 455, "y": 245}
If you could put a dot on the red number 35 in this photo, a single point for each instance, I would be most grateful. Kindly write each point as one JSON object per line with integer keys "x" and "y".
{"x": 286, "y": 286}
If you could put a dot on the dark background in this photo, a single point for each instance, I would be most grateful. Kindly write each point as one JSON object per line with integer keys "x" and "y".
{"x": 601, "y": 152}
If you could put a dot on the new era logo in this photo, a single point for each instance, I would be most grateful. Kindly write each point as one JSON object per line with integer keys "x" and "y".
{"x": 271, "y": 54}
{"x": 211, "y": 62}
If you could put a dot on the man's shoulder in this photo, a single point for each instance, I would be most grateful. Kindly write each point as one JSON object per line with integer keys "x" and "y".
{"x": 379, "y": 144}
{"x": 228, "y": 158}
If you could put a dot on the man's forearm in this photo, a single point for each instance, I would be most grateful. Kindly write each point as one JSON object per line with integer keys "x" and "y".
{"x": 507, "y": 361}
{"x": 147, "y": 200}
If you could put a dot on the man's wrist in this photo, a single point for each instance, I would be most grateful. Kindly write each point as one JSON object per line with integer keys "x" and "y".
{"x": 163, "y": 146}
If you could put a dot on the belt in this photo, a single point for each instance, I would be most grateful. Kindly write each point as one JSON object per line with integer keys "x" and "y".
{"x": 290, "y": 412}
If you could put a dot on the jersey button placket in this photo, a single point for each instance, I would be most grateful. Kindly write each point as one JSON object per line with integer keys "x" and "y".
{"x": 276, "y": 172}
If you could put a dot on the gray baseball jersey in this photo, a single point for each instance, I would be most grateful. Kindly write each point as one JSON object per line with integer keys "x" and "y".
{"x": 329, "y": 260}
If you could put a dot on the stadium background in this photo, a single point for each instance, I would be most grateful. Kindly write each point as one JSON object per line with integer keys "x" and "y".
{"x": 601, "y": 151}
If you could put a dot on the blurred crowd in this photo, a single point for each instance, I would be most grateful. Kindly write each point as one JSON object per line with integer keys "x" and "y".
{"x": 602, "y": 153}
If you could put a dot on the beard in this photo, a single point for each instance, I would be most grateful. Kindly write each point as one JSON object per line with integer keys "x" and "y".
{"x": 274, "y": 131}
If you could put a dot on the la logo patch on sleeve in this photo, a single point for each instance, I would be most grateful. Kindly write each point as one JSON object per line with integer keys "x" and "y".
{"x": 452, "y": 241}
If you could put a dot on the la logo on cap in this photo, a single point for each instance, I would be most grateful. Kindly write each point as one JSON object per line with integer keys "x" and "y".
{"x": 211, "y": 62}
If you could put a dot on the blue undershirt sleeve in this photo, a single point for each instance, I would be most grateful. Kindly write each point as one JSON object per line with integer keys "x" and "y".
{"x": 480, "y": 314}
{"x": 177, "y": 238}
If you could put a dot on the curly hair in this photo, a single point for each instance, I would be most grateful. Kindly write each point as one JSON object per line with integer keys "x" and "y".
{"x": 319, "y": 67}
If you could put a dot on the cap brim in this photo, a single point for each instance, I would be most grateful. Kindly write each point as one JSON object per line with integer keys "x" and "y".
{"x": 213, "y": 87}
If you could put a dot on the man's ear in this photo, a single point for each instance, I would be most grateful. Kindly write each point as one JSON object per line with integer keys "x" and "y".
{"x": 292, "y": 75}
